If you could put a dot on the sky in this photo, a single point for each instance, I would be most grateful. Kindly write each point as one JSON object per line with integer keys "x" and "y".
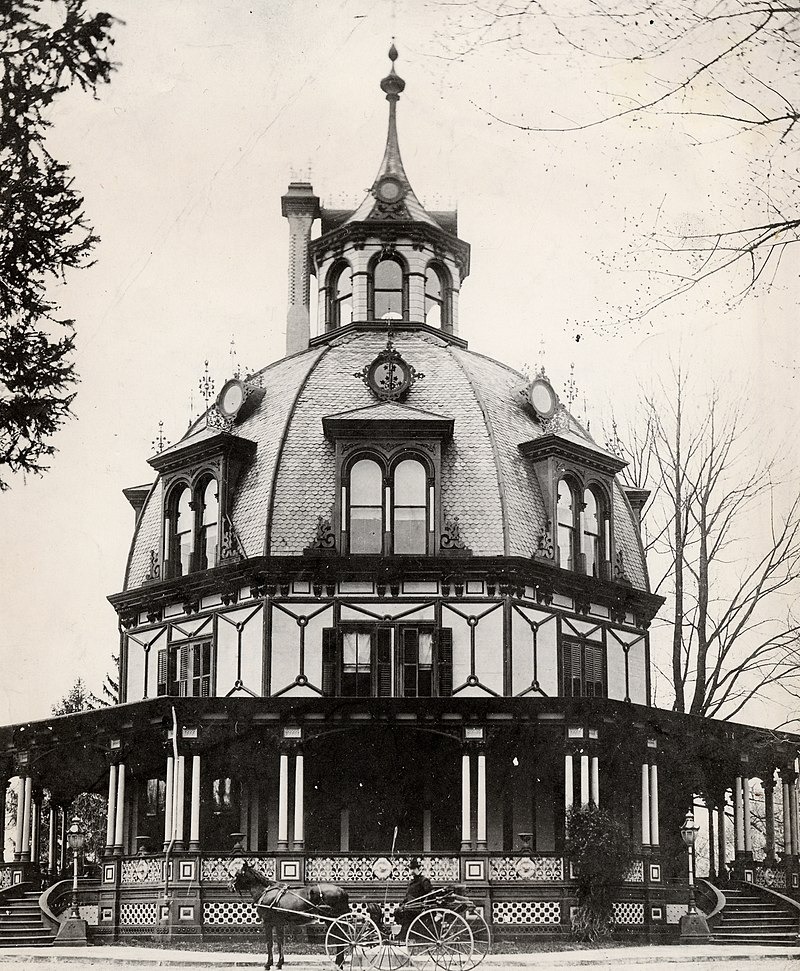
{"x": 215, "y": 107}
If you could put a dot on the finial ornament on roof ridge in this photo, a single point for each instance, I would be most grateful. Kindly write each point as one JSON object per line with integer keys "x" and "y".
{"x": 393, "y": 84}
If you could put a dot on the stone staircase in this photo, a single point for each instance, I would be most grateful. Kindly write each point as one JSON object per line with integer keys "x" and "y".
{"x": 21, "y": 919}
{"x": 753, "y": 916}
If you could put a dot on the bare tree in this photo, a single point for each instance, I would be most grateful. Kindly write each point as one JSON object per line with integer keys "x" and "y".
{"x": 719, "y": 70}
{"x": 722, "y": 553}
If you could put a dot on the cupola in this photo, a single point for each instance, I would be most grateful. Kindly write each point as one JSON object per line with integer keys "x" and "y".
{"x": 389, "y": 259}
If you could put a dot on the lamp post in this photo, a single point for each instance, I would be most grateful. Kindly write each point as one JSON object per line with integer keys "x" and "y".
{"x": 693, "y": 924}
{"x": 73, "y": 930}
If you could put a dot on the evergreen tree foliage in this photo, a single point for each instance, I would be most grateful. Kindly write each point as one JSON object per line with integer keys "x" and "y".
{"x": 45, "y": 48}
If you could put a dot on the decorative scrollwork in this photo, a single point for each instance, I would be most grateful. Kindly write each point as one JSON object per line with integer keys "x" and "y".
{"x": 324, "y": 536}
{"x": 545, "y": 545}
{"x": 389, "y": 377}
{"x": 154, "y": 568}
{"x": 230, "y": 546}
{"x": 619, "y": 568}
{"x": 558, "y": 423}
{"x": 451, "y": 540}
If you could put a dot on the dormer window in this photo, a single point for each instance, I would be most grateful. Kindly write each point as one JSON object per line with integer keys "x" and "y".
{"x": 566, "y": 513}
{"x": 180, "y": 528}
{"x": 437, "y": 297}
{"x": 365, "y": 507}
{"x": 593, "y": 532}
{"x": 209, "y": 524}
{"x": 192, "y": 528}
{"x": 340, "y": 295}
{"x": 387, "y": 290}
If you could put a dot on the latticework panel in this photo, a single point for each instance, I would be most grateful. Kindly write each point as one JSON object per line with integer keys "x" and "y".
{"x": 140, "y": 914}
{"x": 229, "y": 912}
{"x": 141, "y": 871}
{"x": 770, "y": 877}
{"x": 379, "y": 869}
{"x": 526, "y": 912}
{"x": 628, "y": 912}
{"x": 221, "y": 869}
{"x": 5, "y": 879}
{"x": 359, "y": 908}
{"x": 635, "y": 872}
{"x": 544, "y": 868}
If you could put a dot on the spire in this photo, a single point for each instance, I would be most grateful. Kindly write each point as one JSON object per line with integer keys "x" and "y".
{"x": 391, "y": 195}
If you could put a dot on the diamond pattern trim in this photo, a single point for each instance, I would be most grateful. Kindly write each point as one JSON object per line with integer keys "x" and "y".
{"x": 140, "y": 871}
{"x": 379, "y": 869}
{"x": 635, "y": 872}
{"x": 229, "y": 912}
{"x": 526, "y": 912}
{"x": 220, "y": 869}
{"x": 141, "y": 914}
{"x": 628, "y": 912}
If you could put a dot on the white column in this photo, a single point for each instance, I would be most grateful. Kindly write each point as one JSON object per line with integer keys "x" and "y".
{"x": 481, "y": 800}
{"x": 645, "y": 804}
{"x": 426, "y": 830}
{"x": 738, "y": 819}
{"x": 299, "y": 832}
{"x": 194, "y": 824}
{"x": 748, "y": 833}
{"x": 51, "y": 840}
{"x": 283, "y": 803}
{"x": 168, "y": 800}
{"x": 569, "y": 786}
{"x": 180, "y": 797}
{"x": 344, "y": 830}
{"x": 654, "y": 835}
{"x": 793, "y": 817}
{"x": 36, "y": 820}
{"x": 26, "y": 819}
{"x": 466, "y": 802}
{"x": 595, "y": 780}
{"x": 119, "y": 823}
{"x": 21, "y": 817}
{"x": 787, "y": 820}
{"x": 111, "y": 809}
{"x": 584, "y": 780}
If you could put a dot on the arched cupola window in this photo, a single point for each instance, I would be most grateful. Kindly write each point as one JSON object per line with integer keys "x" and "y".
{"x": 566, "y": 511}
{"x": 181, "y": 529}
{"x": 410, "y": 507}
{"x": 192, "y": 527}
{"x": 387, "y": 291}
{"x": 209, "y": 524}
{"x": 340, "y": 296}
{"x": 365, "y": 507}
{"x": 438, "y": 305}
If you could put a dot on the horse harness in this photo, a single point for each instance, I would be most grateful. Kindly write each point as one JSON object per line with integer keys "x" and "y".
{"x": 281, "y": 889}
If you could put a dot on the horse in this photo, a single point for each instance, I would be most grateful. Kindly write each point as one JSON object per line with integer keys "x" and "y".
{"x": 278, "y": 904}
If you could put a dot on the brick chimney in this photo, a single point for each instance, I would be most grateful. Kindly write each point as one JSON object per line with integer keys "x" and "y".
{"x": 301, "y": 207}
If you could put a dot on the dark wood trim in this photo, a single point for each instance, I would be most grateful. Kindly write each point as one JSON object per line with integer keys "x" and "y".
{"x": 381, "y": 326}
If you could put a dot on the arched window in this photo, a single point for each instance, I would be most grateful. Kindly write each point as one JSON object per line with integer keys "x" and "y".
{"x": 340, "y": 296}
{"x": 365, "y": 507}
{"x": 592, "y": 533}
{"x": 437, "y": 296}
{"x": 410, "y": 507}
{"x": 180, "y": 540}
{"x": 388, "y": 290}
{"x": 209, "y": 524}
{"x": 565, "y": 511}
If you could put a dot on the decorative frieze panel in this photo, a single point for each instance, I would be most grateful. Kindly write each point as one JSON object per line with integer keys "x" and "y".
{"x": 628, "y": 912}
{"x": 379, "y": 869}
{"x": 5, "y": 878}
{"x": 141, "y": 871}
{"x": 229, "y": 912}
{"x": 675, "y": 912}
{"x": 541, "y": 868}
{"x": 139, "y": 915}
{"x": 768, "y": 876}
{"x": 526, "y": 912}
{"x": 635, "y": 872}
{"x": 221, "y": 869}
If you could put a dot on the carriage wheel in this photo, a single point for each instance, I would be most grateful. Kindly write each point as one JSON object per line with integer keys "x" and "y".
{"x": 349, "y": 938}
{"x": 481, "y": 937}
{"x": 441, "y": 937}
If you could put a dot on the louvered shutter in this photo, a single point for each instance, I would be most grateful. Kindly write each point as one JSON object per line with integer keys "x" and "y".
{"x": 329, "y": 662}
{"x": 185, "y": 670}
{"x": 594, "y": 670}
{"x": 444, "y": 661}
{"x": 383, "y": 661}
{"x": 573, "y": 675}
{"x": 163, "y": 670}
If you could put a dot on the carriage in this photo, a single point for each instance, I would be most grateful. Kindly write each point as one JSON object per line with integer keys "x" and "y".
{"x": 443, "y": 929}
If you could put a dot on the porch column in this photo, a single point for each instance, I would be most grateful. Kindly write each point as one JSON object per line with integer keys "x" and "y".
{"x": 299, "y": 835}
{"x": 595, "y": 778}
{"x": 344, "y": 830}
{"x": 283, "y": 802}
{"x": 748, "y": 822}
{"x": 111, "y": 810}
{"x": 769, "y": 814}
{"x": 584, "y": 779}
{"x": 787, "y": 818}
{"x": 645, "y": 804}
{"x": 569, "y": 784}
{"x": 793, "y": 817}
{"x": 481, "y": 800}
{"x": 179, "y": 799}
{"x": 194, "y": 821}
{"x": 62, "y": 855}
{"x": 21, "y": 817}
{"x": 168, "y": 801}
{"x": 722, "y": 847}
{"x": 738, "y": 817}
{"x": 711, "y": 845}
{"x": 119, "y": 820}
{"x": 36, "y": 824}
{"x": 466, "y": 801}
{"x": 654, "y": 833}
{"x": 26, "y": 819}
{"x": 51, "y": 839}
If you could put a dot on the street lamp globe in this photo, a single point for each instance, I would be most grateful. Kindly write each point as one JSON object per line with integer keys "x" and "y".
{"x": 689, "y": 831}
{"x": 76, "y": 837}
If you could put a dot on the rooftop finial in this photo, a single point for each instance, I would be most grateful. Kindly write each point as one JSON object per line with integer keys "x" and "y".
{"x": 392, "y": 84}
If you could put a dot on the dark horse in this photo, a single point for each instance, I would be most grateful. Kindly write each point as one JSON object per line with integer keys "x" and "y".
{"x": 278, "y": 904}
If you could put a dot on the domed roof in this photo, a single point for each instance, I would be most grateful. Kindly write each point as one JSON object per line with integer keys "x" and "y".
{"x": 486, "y": 480}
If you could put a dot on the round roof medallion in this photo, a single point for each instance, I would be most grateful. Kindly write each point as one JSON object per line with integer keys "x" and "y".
{"x": 543, "y": 398}
{"x": 231, "y": 398}
{"x": 389, "y": 377}
{"x": 390, "y": 190}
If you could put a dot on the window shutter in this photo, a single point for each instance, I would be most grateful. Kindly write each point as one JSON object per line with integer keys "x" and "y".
{"x": 329, "y": 661}
{"x": 163, "y": 669}
{"x": 185, "y": 670}
{"x": 383, "y": 649}
{"x": 444, "y": 661}
{"x": 573, "y": 675}
{"x": 594, "y": 670}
